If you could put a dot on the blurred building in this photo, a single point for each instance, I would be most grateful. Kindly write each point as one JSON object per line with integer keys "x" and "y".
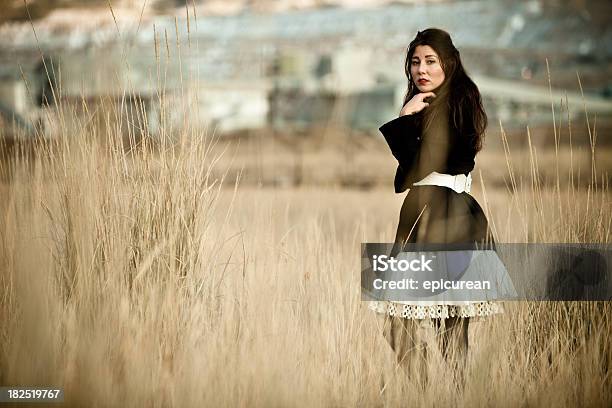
{"x": 330, "y": 66}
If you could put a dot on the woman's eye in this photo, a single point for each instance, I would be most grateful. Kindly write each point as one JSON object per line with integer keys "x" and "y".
{"x": 431, "y": 62}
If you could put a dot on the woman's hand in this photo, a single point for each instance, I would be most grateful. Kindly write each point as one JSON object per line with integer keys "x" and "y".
{"x": 416, "y": 104}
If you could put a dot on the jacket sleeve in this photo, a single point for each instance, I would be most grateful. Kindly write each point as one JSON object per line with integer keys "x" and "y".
{"x": 403, "y": 136}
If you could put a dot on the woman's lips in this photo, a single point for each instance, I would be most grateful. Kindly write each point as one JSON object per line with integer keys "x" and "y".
{"x": 423, "y": 81}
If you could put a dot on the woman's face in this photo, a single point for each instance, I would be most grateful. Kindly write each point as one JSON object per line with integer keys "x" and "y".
{"x": 425, "y": 69}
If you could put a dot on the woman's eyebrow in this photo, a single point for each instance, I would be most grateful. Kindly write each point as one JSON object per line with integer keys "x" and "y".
{"x": 432, "y": 56}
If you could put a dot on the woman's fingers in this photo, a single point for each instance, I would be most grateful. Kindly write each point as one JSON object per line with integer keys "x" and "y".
{"x": 417, "y": 103}
{"x": 427, "y": 95}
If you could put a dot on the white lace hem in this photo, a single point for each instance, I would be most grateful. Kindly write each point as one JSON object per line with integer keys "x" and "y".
{"x": 439, "y": 311}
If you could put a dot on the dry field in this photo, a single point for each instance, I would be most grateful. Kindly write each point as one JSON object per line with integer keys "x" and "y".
{"x": 201, "y": 272}
{"x": 154, "y": 277}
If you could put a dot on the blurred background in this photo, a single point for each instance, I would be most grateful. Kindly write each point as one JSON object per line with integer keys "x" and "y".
{"x": 301, "y": 82}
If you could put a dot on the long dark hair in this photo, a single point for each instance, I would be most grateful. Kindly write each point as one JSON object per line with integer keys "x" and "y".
{"x": 458, "y": 95}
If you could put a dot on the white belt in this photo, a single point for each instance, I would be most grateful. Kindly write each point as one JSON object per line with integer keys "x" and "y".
{"x": 460, "y": 183}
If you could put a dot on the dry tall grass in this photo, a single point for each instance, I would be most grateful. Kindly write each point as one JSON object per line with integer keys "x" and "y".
{"x": 132, "y": 277}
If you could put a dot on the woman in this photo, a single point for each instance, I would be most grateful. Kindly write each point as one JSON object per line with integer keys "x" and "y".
{"x": 435, "y": 140}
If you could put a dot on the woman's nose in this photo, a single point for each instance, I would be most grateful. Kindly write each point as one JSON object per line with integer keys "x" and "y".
{"x": 422, "y": 68}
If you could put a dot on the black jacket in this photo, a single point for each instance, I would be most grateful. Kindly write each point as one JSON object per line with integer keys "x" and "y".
{"x": 443, "y": 149}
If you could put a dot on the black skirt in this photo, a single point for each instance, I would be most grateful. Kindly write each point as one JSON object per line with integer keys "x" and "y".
{"x": 440, "y": 215}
